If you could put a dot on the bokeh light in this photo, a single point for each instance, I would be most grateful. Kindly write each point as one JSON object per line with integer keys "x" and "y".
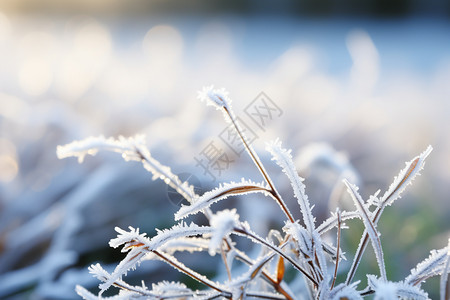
{"x": 9, "y": 166}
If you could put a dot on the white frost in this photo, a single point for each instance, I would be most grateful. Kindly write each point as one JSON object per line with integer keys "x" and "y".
{"x": 214, "y": 97}
{"x": 222, "y": 192}
{"x": 283, "y": 158}
{"x": 223, "y": 223}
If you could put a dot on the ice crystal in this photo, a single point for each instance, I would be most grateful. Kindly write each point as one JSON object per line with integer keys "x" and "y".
{"x": 283, "y": 158}
{"x": 220, "y": 193}
{"x": 223, "y": 223}
{"x": 214, "y": 97}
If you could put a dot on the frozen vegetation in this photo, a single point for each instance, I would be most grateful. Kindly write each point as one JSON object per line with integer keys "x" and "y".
{"x": 300, "y": 244}
{"x": 356, "y": 102}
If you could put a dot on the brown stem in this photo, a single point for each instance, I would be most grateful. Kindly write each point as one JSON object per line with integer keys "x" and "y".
{"x": 224, "y": 258}
{"x": 376, "y": 217}
{"x": 260, "y": 167}
{"x": 277, "y": 286}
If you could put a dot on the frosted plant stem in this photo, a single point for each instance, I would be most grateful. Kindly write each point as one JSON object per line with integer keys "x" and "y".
{"x": 172, "y": 180}
{"x": 127, "y": 287}
{"x": 404, "y": 178}
{"x": 360, "y": 251}
{"x": 301, "y": 245}
{"x": 260, "y": 167}
{"x": 245, "y": 259}
{"x": 168, "y": 177}
{"x": 262, "y": 296}
{"x": 338, "y": 245}
{"x": 363, "y": 243}
{"x": 191, "y": 273}
{"x": 218, "y": 99}
{"x": 224, "y": 259}
{"x": 371, "y": 229}
{"x": 260, "y": 240}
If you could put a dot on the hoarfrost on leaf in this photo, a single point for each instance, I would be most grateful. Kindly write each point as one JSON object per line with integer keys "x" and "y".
{"x": 130, "y": 262}
{"x": 222, "y": 192}
{"x": 85, "y": 294}
{"x": 188, "y": 244}
{"x": 343, "y": 291}
{"x": 178, "y": 231}
{"x": 133, "y": 148}
{"x": 432, "y": 266}
{"x": 127, "y": 238}
{"x": 332, "y": 221}
{"x": 444, "y": 275}
{"x": 283, "y": 158}
{"x": 371, "y": 229}
{"x": 388, "y": 290}
{"x": 223, "y": 224}
{"x": 405, "y": 177}
{"x": 91, "y": 146}
{"x": 98, "y": 272}
{"x": 301, "y": 236}
{"x": 214, "y": 97}
{"x": 166, "y": 287}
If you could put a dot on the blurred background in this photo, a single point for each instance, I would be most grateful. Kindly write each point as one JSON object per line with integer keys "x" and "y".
{"x": 356, "y": 89}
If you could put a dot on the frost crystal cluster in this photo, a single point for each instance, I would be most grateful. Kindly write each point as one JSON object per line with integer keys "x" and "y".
{"x": 300, "y": 245}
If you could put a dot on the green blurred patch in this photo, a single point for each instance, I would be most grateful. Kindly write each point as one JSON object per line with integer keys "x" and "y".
{"x": 407, "y": 234}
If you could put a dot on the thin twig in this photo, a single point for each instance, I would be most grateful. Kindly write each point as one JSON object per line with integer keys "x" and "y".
{"x": 277, "y": 286}
{"x": 191, "y": 273}
{"x": 370, "y": 227}
{"x": 224, "y": 258}
{"x": 338, "y": 245}
{"x": 244, "y": 258}
{"x": 260, "y": 240}
{"x": 377, "y": 214}
{"x": 260, "y": 167}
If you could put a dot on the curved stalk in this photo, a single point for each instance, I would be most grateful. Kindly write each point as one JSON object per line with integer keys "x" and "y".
{"x": 260, "y": 240}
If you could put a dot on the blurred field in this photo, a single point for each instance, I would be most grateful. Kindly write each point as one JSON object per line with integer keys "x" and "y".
{"x": 375, "y": 90}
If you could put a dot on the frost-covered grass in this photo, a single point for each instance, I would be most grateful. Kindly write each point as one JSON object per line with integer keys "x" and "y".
{"x": 311, "y": 250}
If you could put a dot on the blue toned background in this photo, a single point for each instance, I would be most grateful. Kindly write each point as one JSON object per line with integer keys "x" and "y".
{"x": 362, "y": 88}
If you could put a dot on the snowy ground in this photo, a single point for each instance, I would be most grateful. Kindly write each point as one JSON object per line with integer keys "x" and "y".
{"x": 377, "y": 91}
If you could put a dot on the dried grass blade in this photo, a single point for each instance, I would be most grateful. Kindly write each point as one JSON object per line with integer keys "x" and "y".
{"x": 132, "y": 148}
{"x": 433, "y": 265}
{"x": 332, "y": 221}
{"x": 219, "y": 98}
{"x": 257, "y": 239}
{"x": 281, "y": 288}
{"x": 338, "y": 245}
{"x": 283, "y": 159}
{"x": 220, "y": 193}
{"x": 171, "y": 260}
{"x": 405, "y": 177}
{"x": 256, "y": 269}
{"x": 280, "y": 269}
{"x": 370, "y": 227}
